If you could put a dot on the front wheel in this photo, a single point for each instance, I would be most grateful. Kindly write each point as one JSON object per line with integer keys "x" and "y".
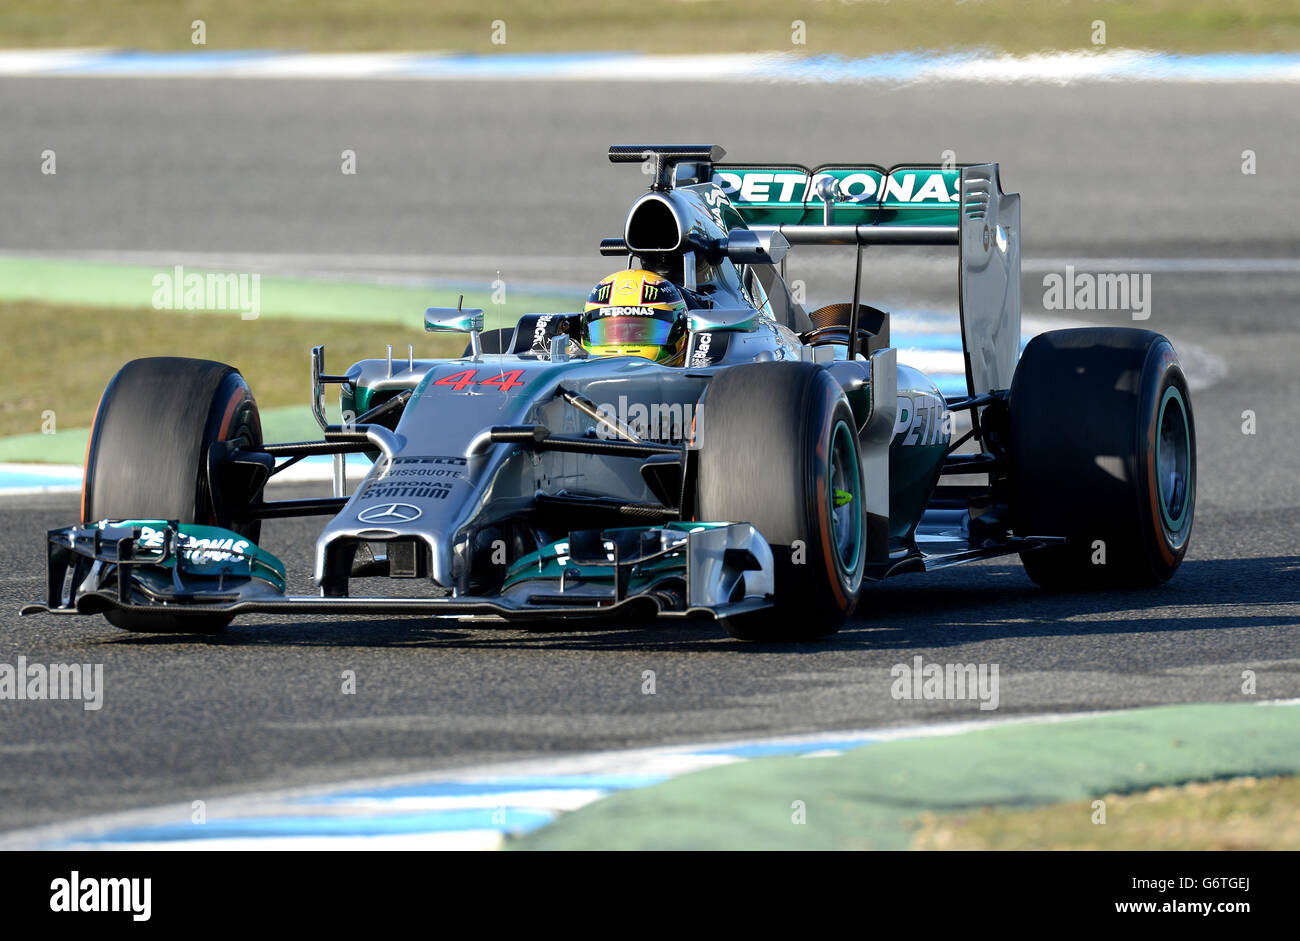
{"x": 148, "y": 457}
{"x": 779, "y": 450}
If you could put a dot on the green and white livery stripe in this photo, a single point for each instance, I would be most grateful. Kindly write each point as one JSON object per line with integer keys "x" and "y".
{"x": 789, "y": 194}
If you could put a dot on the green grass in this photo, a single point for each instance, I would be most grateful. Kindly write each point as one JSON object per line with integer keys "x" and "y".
{"x": 1238, "y": 814}
{"x": 850, "y": 27}
{"x": 71, "y": 325}
{"x": 60, "y": 357}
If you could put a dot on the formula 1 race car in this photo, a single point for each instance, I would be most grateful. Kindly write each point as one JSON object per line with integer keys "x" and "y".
{"x": 784, "y": 461}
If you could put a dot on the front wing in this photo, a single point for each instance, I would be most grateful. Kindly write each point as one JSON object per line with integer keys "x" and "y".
{"x": 680, "y": 569}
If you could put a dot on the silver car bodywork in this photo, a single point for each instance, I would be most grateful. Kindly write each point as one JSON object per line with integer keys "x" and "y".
{"x": 582, "y": 466}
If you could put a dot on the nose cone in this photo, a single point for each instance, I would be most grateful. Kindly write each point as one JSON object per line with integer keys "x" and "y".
{"x": 420, "y": 502}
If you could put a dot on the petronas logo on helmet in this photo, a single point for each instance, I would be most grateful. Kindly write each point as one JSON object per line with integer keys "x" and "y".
{"x": 636, "y": 312}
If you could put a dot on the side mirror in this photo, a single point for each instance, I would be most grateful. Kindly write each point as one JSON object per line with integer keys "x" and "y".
{"x": 453, "y": 320}
{"x": 457, "y": 319}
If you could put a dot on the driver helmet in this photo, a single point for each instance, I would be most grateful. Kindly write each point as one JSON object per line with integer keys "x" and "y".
{"x": 636, "y": 313}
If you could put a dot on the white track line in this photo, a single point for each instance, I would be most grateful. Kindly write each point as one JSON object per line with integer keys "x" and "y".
{"x": 1054, "y": 67}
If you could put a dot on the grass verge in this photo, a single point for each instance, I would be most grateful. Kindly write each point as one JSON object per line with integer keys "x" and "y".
{"x": 830, "y": 26}
{"x": 877, "y": 797}
{"x": 60, "y": 357}
{"x": 1238, "y": 814}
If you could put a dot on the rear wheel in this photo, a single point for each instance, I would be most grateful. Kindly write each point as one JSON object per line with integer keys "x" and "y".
{"x": 1103, "y": 452}
{"x": 779, "y": 450}
{"x": 148, "y": 456}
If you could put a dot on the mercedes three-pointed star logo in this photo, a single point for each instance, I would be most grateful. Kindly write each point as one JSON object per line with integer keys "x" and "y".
{"x": 390, "y": 513}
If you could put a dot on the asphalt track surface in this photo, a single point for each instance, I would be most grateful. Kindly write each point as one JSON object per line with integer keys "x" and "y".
{"x": 513, "y": 174}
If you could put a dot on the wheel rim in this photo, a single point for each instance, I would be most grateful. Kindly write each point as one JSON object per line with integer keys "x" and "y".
{"x": 1173, "y": 459}
{"x": 844, "y": 498}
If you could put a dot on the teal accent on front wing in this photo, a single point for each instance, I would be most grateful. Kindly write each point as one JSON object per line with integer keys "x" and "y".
{"x": 551, "y": 560}
{"x": 207, "y": 551}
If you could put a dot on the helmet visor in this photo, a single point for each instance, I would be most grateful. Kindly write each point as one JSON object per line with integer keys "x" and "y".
{"x": 629, "y": 331}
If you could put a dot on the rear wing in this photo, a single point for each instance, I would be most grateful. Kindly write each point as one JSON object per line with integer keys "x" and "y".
{"x": 909, "y": 204}
{"x": 845, "y": 194}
